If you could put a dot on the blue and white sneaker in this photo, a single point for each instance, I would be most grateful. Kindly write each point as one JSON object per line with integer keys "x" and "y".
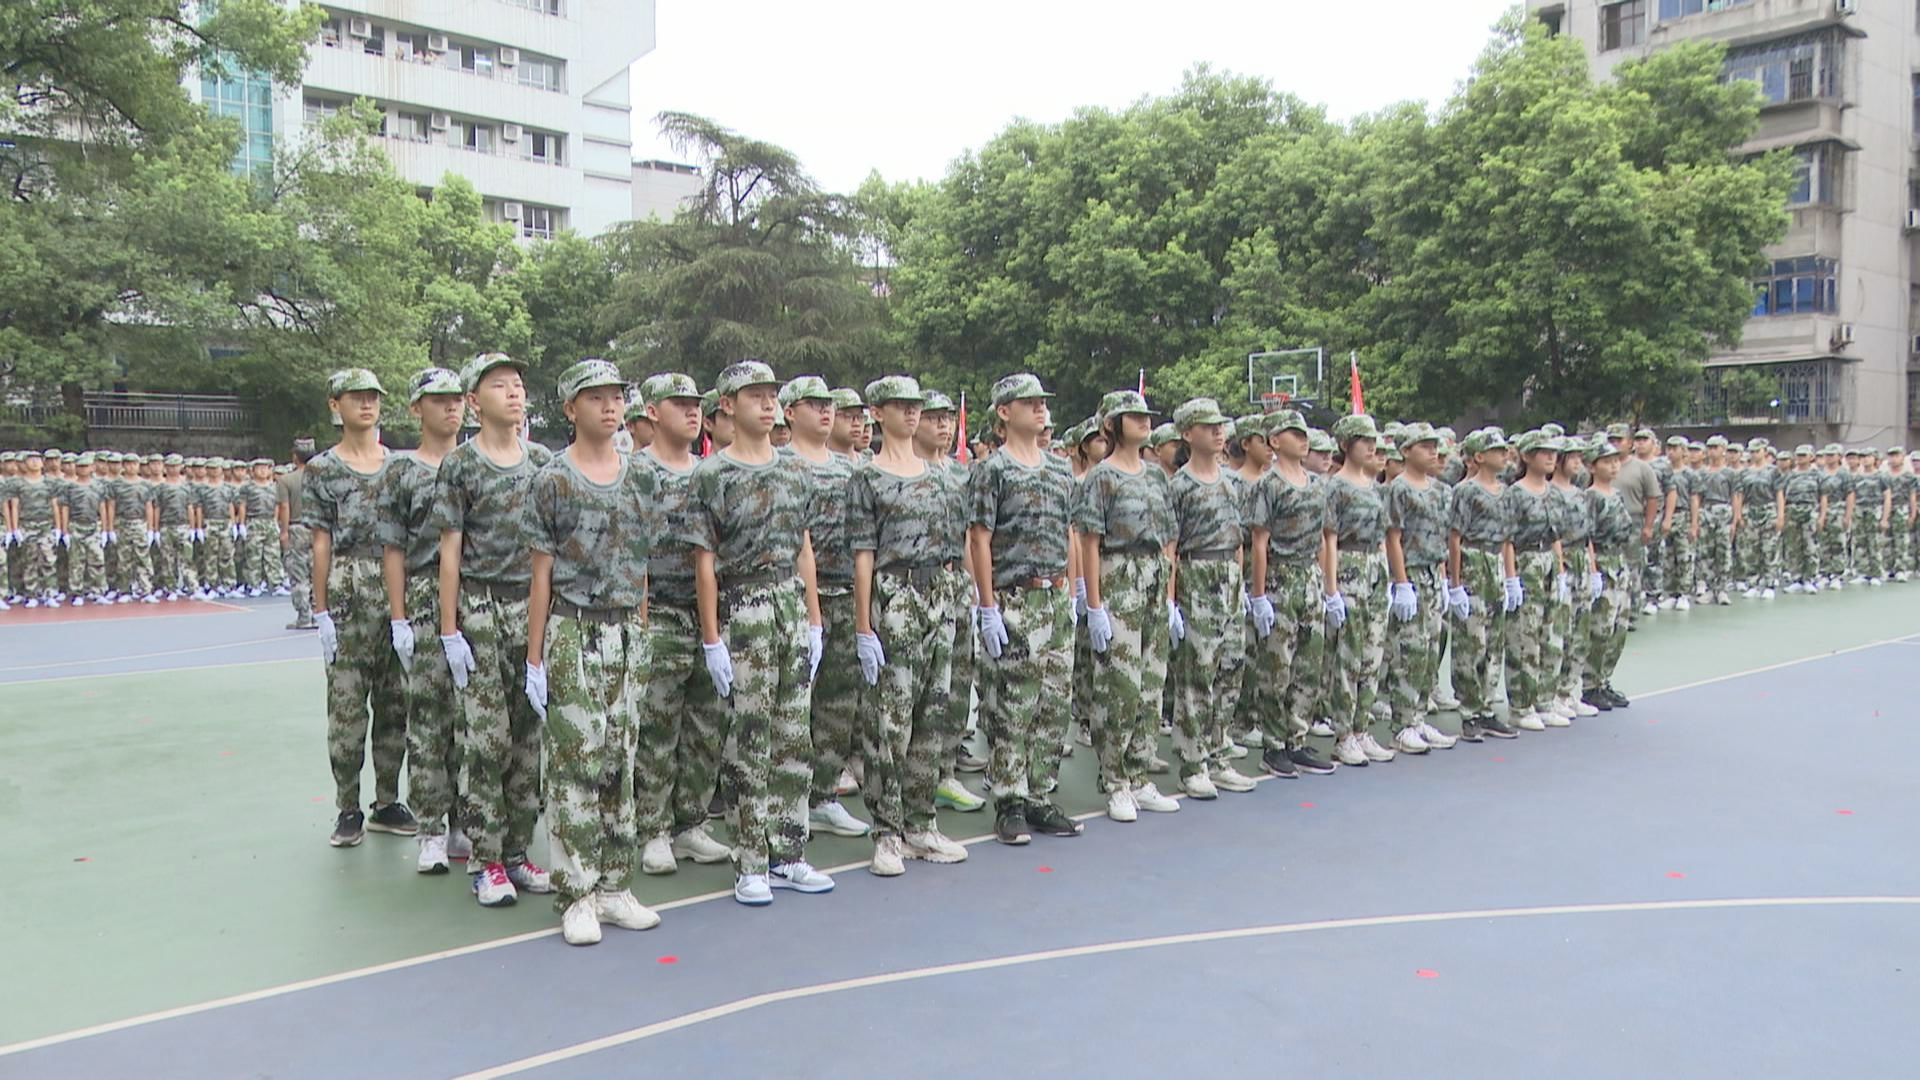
{"x": 800, "y": 877}
{"x": 752, "y": 890}
{"x": 493, "y": 888}
{"x": 530, "y": 877}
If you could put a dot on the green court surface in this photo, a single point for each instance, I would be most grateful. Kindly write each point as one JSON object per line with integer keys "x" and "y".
{"x": 171, "y": 826}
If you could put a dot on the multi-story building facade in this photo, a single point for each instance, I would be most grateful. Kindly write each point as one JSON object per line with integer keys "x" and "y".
{"x": 662, "y": 188}
{"x": 1828, "y": 350}
{"x": 527, "y": 99}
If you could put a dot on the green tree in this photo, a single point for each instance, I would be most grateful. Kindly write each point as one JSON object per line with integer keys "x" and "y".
{"x": 565, "y": 282}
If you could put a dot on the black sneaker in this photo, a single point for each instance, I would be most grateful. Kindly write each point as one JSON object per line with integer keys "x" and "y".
{"x": 1308, "y": 761}
{"x": 1495, "y": 727}
{"x": 1598, "y": 700}
{"x": 1470, "y": 730}
{"x": 1049, "y": 820}
{"x": 348, "y": 829}
{"x": 1279, "y": 764}
{"x": 971, "y": 763}
{"x": 1010, "y": 826}
{"x": 1619, "y": 699}
{"x": 394, "y": 818}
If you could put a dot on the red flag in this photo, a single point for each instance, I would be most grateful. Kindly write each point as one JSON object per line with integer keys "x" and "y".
{"x": 1359, "y": 399}
{"x": 1143, "y": 382}
{"x": 963, "y": 453}
{"x": 706, "y": 446}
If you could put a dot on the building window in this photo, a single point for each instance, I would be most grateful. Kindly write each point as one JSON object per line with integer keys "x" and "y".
{"x": 248, "y": 99}
{"x": 476, "y": 137}
{"x": 539, "y": 74}
{"x": 411, "y": 126}
{"x": 1816, "y": 177}
{"x": 540, "y": 147}
{"x": 474, "y": 60}
{"x": 318, "y": 109}
{"x": 1623, "y": 24}
{"x": 375, "y": 43}
{"x": 1794, "y": 69}
{"x": 1803, "y": 286}
{"x": 550, "y": 7}
{"x": 1680, "y": 9}
{"x": 538, "y": 222}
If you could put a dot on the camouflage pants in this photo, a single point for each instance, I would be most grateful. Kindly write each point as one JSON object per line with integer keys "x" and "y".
{"x": 1573, "y": 623}
{"x": 1607, "y": 622}
{"x": 1205, "y": 669}
{"x": 132, "y": 561}
{"x": 1360, "y": 645}
{"x": 1528, "y": 686}
{"x": 363, "y": 680}
{"x": 6, "y": 569}
{"x": 1716, "y": 547}
{"x": 1023, "y": 694}
{"x": 1900, "y": 541}
{"x": 260, "y": 563}
{"x": 596, "y": 677}
{"x": 1082, "y": 701}
{"x": 1682, "y": 559}
{"x": 1127, "y": 677}
{"x": 433, "y": 757}
{"x": 959, "y": 585}
{"x": 498, "y": 735}
{"x": 216, "y": 556}
{"x": 296, "y": 559}
{"x": 87, "y": 560}
{"x": 1288, "y": 672}
{"x": 1653, "y": 584}
{"x": 1833, "y": 546}
{"x": 682, "y": 727}
{"x": 1479, "y": 638}
{"x": 39, "y": 573}
{"x": 838, "y": 691}
{"x": 1800, "y": 544}
{"x": 174, "y": 570}
{"x": 1868, "y": 541}
{"x": 769, "y": 749}
{"x": 906, "y": 723}
{"x": 1635, "y": 562}
{"x": 1759, "y": 547}
{"x": 1416, "y": 643}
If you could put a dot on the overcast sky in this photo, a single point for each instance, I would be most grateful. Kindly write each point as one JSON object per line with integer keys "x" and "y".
{"x": 905, "y": 86}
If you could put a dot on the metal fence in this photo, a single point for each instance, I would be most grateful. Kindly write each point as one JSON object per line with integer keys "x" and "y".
{"x": 110, "y": 411}
{"x": 1810, "y": 391}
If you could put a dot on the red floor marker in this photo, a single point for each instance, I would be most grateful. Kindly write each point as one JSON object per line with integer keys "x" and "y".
{"x": 1500, "y": 761}
{"x": 226, "y": 753}
{"x": 83, "y": 858}
{"x": 1044, "y": 869}
{"x": 669, "y": 959}
{"x": 1653, "y": 721}
{"x": 1306, "y": 806}
{"x": 1844, "y": 813}
{"x": 1426, "y": 973}
{"x": 318, "y": 798}
{"x": 1675, "y": 874}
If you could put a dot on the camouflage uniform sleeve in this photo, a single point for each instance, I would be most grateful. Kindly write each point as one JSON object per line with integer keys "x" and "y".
{"x": 1089, "y": 507}
{"x": 982, "y": 498}
{"x": 389, "y": 517}
{"x": 1331, "y": 507}
{"x": 1259, "y": 504}
{"x": 1395, "y": 500}
{"x": 450, "y": 495}
{"x": 706, "y": 495}
{"x": 862, "y": 525}
{"x": 545, "y": 529}
{"x": 318, "y": 510}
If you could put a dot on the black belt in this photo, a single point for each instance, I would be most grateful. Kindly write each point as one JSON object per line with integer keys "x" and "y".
{"x": 499, "y": 590}
{"x": 762, "y": 577}
{"x": 686, "y": 604}
{"x": 919, "y": 577}
{"x": 594, "y": 615}
{"x": 1489, "y": 548}
{"x": 1133, "y": 552}
{"x": 358, "y": 551}
{"x": 1210, "y": 556}
{"x": 1025, "y": 584}
{"x": 1518, "y": 550}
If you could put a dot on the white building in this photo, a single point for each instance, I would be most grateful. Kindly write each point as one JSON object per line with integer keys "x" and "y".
{"x": 661, "y": 188}
{"x": 527, "y": 99}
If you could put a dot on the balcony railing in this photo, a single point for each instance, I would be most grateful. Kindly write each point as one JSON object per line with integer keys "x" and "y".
{"x": 1806, "y": 392}
{"x": 111, "y": 411}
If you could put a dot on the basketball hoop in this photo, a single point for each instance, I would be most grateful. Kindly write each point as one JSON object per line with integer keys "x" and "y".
{"x": 1274, "y": 401}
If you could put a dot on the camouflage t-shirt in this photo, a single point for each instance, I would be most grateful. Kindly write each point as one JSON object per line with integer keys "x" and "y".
{"x": 898, "y": 518}
{"x": 754, "y": 518}
{"x": 1529, "y": 518}
{"x": 1128, "y": 511}
{"x": 406, "y": 512}
{"x": 1422, "y": 514}
{"x": 1292, "y": 515}
{"x": 83, "y": 501}
{"x": 1454, "y": 471}
{"x": 670, "y": 563}
{"x": 1479, "y": 515}
{"x": 1209, "y": 516}
{"x": 1903, "y": 485}
{"x": 1571, "y": 522}
{"x": 952, "y": 541}
{"x": 1714, "y": 486}
{"x": 489, "y": 506}
{"x": 130, "y": 498}
{"x": 259, "y": 500}
{"x": 1356, "y": 515}
{"x": 36, "y": 498}
{"x": 1869, "y": 491}
{"x": 1802, "y": 487}
{"x": 1835, "y": 486}
{"x": 832, "y": 557}
{"x": 8, "y": 485}
{"x": 1758, "y": 486}
{"x": 172, "y": 500}
{"x": 343, "y": 501}
{"x": 1612, "y": 526}
{"x": 598, "y": 534}
{"x": 1026, "y": 509}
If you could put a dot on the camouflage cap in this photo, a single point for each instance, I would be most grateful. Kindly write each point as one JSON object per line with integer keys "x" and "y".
{"x": 1073, "y": 434}
{"x": 1319, "y": 442}
{"x": 668, "y": 384}
{"x": 1122, "y": 403}
{"x": 937, "y": 402}
{"x": 1896, "y": 451}
{"x": 1018, "y": 386}
{"x": 304, "y": 445}
{"x": 1392, "y": 429}
{"x": 155, "y": 459}
{"x": 1830, "y": 448}
{"x": 433, "y": 380}
{"x": 1530, "y": 441}
{"x": 1250, "y": 426}
{"x": 780, "y": 418}
{"x": 1851, "y": 451}
{"x": 1552, "y": 429}
{"x": 1476, "y": 442}
{"x": 476, "y": 369}
{"x": 805, "y": 388}
{"x": 894, "y": 388}
{"x": 1619, "y": 430}
{"x": 1716, "y": 441}
{"x": 1676, "y": 440}
{"x": 84, "y": 458}
{"x": 1087, "y": 429}
{"x": 174, "y": 460}
{"x": 1600, "y": 448}
{"x": 587, "y": 374}
{"x": 1645, "y": 433}
{"x": 1416, "y": 433}
{"x": 846, "y": 397}
{"x": 192, "y": 462}
{"x": 256, "y": 462}
{"x": 1447, "y": 434}
{"x": 1390, "y": 447}
{"x": 68, "y": 455}
{"x": 1358, "y": 426}
{"x": 1287, "y": 420}
{"x": 741, "y": 374}
{"x": 636, "y": 407}
{"x": 1758, "y": 443}
{"x": 1803, "y": 450}
{"x": 1697, "y": 445}
{"x": 349, "y": 380}
{"x": 1201, "y": 410}
{"x": 710, "y": 403}
{"x": 1164, "y": 434}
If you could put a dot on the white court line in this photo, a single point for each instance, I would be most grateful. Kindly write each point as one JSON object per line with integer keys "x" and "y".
{"x": 146, "y": 656}
{"x": 756, "y": 1001}
{"x": 533, "y": 935}
{"x": 4, "y": 683}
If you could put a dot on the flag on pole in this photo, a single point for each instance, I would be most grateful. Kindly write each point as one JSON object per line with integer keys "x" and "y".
{"x": 1143, "y": 382}
{"x": 1359, "y": 400}
{"x": 962, "y": 453}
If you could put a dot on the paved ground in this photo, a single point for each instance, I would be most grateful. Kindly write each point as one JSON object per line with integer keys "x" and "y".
{"x": 1748, "y": 841}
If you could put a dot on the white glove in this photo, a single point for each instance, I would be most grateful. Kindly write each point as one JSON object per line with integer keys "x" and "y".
{"x": 1563, "y": 588}
{"x": 1515, "y": 595}
{"x": 153, "y": 538}
{"x": 459, "y": 657}
{"x": 1461, "y": 603}
{"x": 110, "y": 537}
{"x": 873, "y": 657}
{"x": 993, "y": 630}
{"x": 537, "y": 688}
{"x": 1596, "y": 584}
{"x": 1403, "y": 601}
{"x": 329, "y": 637}
{"x": 1099, "y": 628}
{"x": 62, "y": 539}
{"x": 1336, "y": 609}
{"x": 1079, "y": 598}
{"x": 1261, "y": 608}
{"x": 816, "y": 648}
{"x": 720, "y": 667}
{"x": 240, "y": 529}
{"x": 1176, "y": 622}
{"x": 403, "y": 643}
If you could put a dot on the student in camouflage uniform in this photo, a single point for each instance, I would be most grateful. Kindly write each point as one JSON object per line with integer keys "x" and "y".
{"x": 593, "y": 520}
{"x": 9, "y": 480}
{"x": 220, "y": 542}
{"x": 410, "y": 565}
{"x": 933, "y": 442}
{"x": 754, "y": 572}
{"x": 1207, "y": 664}
{"x": 1018, "y": 533}
{"x": 1355, "y": 564}
{"x": 1762, "y": 522}
{"x": 1419, "y": 509}
{"x": 1715, "y": 487}
{"x": 36, "y": 504}
{"x": 1285, "y": 512}
{"x": 128, "y": 576}
{"x": 1835, "y": 520}
{"x": 1531, "y": 558}
{"x": 341, "y": 508}
{"x": 296, "y": 543}
{"x": 1799, "y": 536}
{"x": 482, "y": 506}
{"x": 1564, "y": 658}
{"x": 173, "y": 568}
{"x": 1901, "y": 489}
{"x": 260, "y": 548}
{"x": 1680, "y": 526}
{"x": 683, "y": 722}
{"x": 1613, "y": 531}
{"x": 81, "y": 503}
{"x": 1476, "y": 532}
{"x": 1086, "y": 446}
{"x": 898, "y": 507}
{"x": 1873, "y": 502}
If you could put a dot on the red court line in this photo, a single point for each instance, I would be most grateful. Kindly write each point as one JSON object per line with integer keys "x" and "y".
{"x": 66, "y": 613}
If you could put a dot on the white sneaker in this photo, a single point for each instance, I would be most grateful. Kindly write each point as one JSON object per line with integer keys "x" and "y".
{"x": 624, "y": 910}
{"x": 1322, "y": 728}
{"x": 1372, "y": 748}
{"x": 934, "y": 847}
{"x": 800, "y": 877}
{"x": 530, "y": 877}
{"x": 1562, "y": 707}
{"x": 1410, "y": 740}
{"x": 833, "y": 818}
{"x": 699, "y": 845}
{"x": 1198, "y": 786}
{"x": 1666, "y": 603}
{"x": 1441, "y": 701}
{"x": 492, "y": 887}
{"x": 1236, "y": 751}
{"x": 657, "y": 856}
{"x": 1682, "y": 604}
{"x": 1766, "y": 594}
{"x": 123, "y": 598}
{"x": 79, "y": 601}
{"x": 1581, "y": 708}
{"x": 1796, "y": 587}
{"x": 31, "y": 604}
{"x": 1836, "y": 584}
{"x": 1120, "y": 805}
{"x": 282, "y": 591}
{"x": 1083, "y": 735}
{"x": 1816, "y": 586}
{"x": 1876, "y": 582}
{"x": 1232, "y": 779}
{"x": 887, "y": 859}
{"x": 752, "y": 890}
{"x": 952, "y": 793}
{"x": 1252, "y": 738}
{"x": 1348, "y": 751}
{"x": 1751, "y": 594}
{"x": 846, "y": 785}
{"x": 1650, "y": 609}
{"x": 1531, "y": 721}
{"x": 1721, "y": 598}
{"x": 1435, "y": 738}
{"x": 150, "y": 598}
{"x": 580, "y": 923}
{"x": 459, "y": 846}
{"x": 1554, "y": 719}
{"x": 433, "y": 854}
{"x": 1148, "y": 797}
